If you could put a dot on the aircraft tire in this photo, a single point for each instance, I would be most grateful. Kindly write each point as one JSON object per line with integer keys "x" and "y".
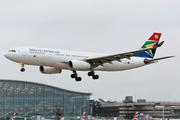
{"x": 97, "y": 76}
{"x": 90, "y": 73}
{"x": 78, "y": 79}
{"x": 73, "y": 75}
{"x": 94, "y": 77}
{"x": 22, "y": 69}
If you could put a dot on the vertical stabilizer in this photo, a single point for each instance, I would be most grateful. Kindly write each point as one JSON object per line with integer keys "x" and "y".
{"x": 83, "y": 116}
{"x": 152, "y": 41}
{"x": 136, "y": 116}
{"x": 14, "y": 116}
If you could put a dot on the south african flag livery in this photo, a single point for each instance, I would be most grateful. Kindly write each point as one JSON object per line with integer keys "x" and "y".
{"x": 152, "y": 41}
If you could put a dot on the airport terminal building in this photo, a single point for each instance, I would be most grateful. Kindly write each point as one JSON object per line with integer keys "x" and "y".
{"x": 30, "y": 99}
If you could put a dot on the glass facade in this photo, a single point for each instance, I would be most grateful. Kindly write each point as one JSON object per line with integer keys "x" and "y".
{"x": 29, "y": 99}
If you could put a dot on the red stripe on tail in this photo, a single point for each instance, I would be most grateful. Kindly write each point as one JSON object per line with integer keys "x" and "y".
{"x": 155, "y": 37}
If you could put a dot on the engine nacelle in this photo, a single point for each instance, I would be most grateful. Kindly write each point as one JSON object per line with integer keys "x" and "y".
{"x": 49, "y": 70}
{"x": 79, "y": 65}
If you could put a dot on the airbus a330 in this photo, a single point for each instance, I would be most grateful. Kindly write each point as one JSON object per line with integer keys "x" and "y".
{"x": 51, "y": 61}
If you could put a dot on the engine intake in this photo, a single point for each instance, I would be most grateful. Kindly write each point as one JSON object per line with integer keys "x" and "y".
{"x": 49, "y": 70}
{"x": 79, "y": 65}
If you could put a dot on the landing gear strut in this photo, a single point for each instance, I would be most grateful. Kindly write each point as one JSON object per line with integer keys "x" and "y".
{"x": 75, "y": 75}
{"x": 92, "y": 73}
{"x": 22, "y": 65}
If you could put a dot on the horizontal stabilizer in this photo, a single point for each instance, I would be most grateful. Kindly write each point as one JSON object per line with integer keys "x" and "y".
{"x": 162, "y": 58}
{"x": 147, "y": 61}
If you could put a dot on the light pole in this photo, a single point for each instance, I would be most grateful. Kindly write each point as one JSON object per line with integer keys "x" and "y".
{"x": 91, "y": 110}
{"x": 80, "y": 109}
{"x": 163, "y": 111}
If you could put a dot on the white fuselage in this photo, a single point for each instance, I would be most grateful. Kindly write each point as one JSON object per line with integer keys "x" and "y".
{"x": 59, "y": 58}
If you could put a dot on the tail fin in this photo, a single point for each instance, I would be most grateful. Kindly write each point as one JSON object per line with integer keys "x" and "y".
{"x": 83, "y": 116}
{"x": 14, "y": 116}
{"x": 151, "y": 42}
{"x": 136, "y": 116}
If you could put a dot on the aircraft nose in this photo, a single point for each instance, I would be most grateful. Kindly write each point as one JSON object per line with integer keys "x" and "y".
{"x": 6, "y": 55}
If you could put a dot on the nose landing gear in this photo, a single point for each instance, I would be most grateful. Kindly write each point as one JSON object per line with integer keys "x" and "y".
{"x": 22, "y": 65}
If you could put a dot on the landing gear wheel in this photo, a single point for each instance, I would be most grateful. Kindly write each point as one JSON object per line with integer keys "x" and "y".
{"x": 22, "y": 69}
{"x": 90, "y": 73}
{"x": 73, "y": 76}
{"x": 78, "y": 78}
{"x": 95, "y": 77}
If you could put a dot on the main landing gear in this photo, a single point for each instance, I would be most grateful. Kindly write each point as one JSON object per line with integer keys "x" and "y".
{"x": 22, "y": 65}
{"x": 92, "y": 73}
{"x": 75, "y": 75}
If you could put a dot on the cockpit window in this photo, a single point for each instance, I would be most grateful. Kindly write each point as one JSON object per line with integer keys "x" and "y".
{"x": 12, "y": 51}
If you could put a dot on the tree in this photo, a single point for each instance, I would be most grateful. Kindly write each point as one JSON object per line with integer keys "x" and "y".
{"x": 58, "y": 112}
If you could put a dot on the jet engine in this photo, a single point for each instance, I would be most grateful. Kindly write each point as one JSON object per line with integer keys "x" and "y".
{"x": 49, "y": 70}
{"x": 79, "y": 65}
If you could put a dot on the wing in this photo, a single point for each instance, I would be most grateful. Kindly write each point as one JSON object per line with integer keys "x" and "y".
{"x": 116, "y": 57}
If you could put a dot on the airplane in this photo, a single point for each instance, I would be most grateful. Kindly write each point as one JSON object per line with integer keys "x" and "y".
{"x": 136, "y": 116}
{"x": 14, "y": 116}
{"x": 52, "y": 61}
{"x": 83, "y": 116}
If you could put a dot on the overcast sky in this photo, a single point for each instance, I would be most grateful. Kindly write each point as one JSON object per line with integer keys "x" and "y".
{"x": 102, "y": 26}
